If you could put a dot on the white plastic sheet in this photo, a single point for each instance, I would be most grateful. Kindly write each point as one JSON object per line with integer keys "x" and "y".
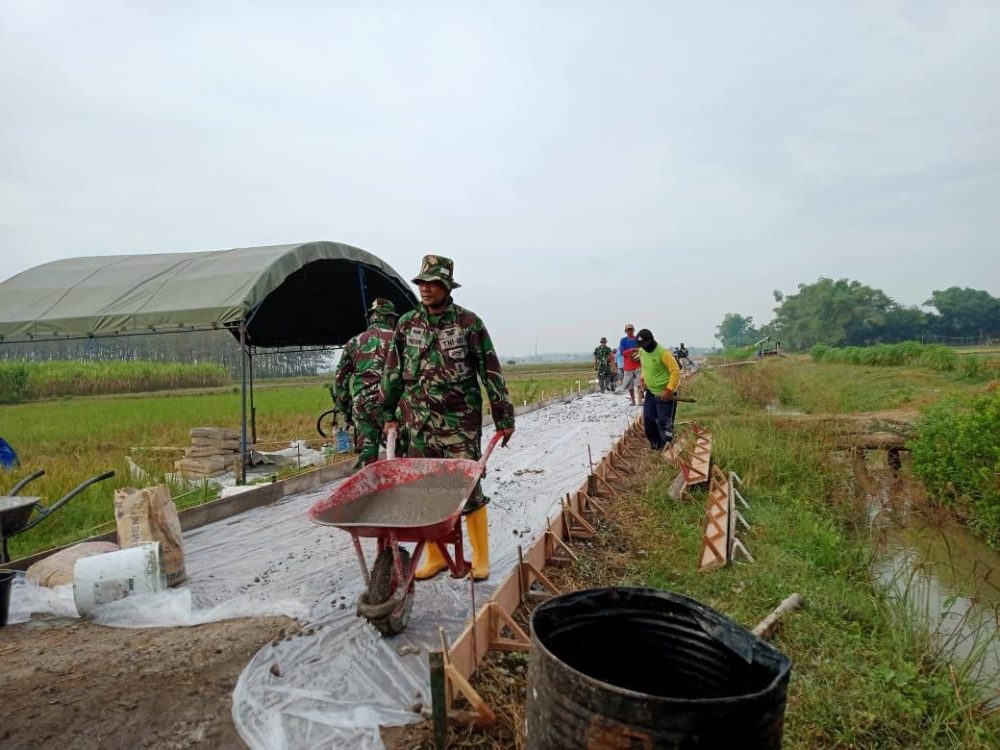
{"x": 338, "y": 681}
{"x": 343, "y": 665}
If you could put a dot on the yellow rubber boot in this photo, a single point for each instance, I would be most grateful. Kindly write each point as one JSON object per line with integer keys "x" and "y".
{"x": 479, "y": 537}
{"x": 433, "y": 564}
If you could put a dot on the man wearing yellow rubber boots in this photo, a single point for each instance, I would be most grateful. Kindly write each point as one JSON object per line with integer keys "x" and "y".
{"x": 439, "y": 354}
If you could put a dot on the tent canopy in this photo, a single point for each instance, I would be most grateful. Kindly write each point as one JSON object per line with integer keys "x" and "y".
{"x": 308, "y": 294}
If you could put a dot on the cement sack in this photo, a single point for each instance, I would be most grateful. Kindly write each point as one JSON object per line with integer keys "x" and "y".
{"x": 57, "y": 568}
{"x": 214, "y": 433}
{"x": 205, "y": 465}
{"x": 204, "y": 451}
{"x": 149, "y": 515}
{"x": 232, "y": 445}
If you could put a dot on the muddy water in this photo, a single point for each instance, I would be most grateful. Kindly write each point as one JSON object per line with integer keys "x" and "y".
{"x": 942, "y": 573}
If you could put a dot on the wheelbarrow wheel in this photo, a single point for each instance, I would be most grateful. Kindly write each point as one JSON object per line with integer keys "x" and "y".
{"x": 383, "y": 585}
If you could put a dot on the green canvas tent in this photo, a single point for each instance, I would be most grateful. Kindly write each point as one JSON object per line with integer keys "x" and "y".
{"x": 309, "y": 294}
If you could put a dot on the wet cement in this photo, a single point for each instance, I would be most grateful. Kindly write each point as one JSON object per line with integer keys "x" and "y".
{"x": 422, "y": 502}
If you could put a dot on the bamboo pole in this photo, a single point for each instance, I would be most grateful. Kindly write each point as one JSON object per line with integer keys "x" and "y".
{"x": 766, "y": 626}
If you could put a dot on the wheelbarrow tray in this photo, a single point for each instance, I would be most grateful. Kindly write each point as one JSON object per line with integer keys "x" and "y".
{"x": 414, "y": 498}
{"x": 15, "y": 510}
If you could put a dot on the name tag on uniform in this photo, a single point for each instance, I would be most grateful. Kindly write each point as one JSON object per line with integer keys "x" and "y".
{"x": 416, "y": 337}
{"x": 452, "y": 338}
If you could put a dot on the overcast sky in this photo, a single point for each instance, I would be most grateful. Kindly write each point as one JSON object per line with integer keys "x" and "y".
{"x": 585, "y": 164}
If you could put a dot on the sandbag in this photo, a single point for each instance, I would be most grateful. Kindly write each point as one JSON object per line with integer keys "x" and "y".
{"x": 57, "y": 568}
{"x": 149, "y": 515}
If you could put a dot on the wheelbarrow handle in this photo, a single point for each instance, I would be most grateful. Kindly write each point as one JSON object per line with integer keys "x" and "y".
{"x": 30, "y": 478}
{"x": 489, "y": 448}
{"x": 65, "y": 499}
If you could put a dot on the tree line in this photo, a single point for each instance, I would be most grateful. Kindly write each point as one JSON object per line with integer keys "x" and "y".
{"x": 849, "y": 313}
{"x": 197, "y": 347}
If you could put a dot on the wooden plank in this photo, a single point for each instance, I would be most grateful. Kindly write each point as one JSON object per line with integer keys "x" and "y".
{"x": 715, "y": 541}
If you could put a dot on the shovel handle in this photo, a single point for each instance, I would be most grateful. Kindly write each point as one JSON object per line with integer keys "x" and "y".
{"x": 390, "y": 445}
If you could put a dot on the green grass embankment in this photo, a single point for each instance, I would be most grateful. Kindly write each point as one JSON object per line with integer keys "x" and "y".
{"x": 861, "y": 676}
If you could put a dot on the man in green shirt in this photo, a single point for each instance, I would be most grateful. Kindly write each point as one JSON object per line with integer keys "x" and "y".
{"x": 661, "y": 376}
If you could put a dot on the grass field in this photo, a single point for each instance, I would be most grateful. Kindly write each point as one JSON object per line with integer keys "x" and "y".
{"x": 865, "y": 675}
{"x": 74, "y": 439}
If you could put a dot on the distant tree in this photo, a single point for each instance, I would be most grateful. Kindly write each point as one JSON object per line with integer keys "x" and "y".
{"x": 736, "y": 330}
{"x": 964, "y": 312}
{"x": 903, "y": 324}
{"x": 511, "y": 361}
{"x": 831, "y": 312}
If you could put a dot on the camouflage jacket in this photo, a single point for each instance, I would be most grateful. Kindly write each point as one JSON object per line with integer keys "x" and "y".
{"x": 602, "y": 358}
{"x": 432, "y": 371}
{"x": 359, "y": 372}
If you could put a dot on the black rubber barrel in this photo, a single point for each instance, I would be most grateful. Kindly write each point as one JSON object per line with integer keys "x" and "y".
{"x": 6, "y": 581}
{"x": 643, "y": 668}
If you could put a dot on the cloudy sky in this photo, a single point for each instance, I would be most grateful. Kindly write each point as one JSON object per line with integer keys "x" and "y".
{"x": 584, "y": 163}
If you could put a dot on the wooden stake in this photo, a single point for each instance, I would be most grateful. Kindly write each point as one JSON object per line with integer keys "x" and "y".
{"x": 439, "y": 707}
{"x": 456, "y": 680}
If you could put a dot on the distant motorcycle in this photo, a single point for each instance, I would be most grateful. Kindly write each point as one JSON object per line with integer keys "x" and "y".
{"x": 685, "y": 362}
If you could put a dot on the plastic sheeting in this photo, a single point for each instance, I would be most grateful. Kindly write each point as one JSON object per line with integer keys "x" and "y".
{"x": 334, "y": 685}
{"x": 337, "y": 681}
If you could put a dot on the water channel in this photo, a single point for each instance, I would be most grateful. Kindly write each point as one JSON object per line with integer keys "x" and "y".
{"x": 946, "y": 576}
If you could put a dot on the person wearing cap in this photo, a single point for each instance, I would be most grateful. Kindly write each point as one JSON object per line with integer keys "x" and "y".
{"x": 440, "y": 354}
{"x": 661, "y": 376}
{"x": 359, "y": 376}
{"x": 602, "y": 364}
{"x": 630, "y": 365}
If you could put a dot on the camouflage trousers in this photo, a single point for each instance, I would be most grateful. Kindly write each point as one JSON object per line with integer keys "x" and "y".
{"x": 367, "y": 417}
{"x": 449, "y": 443}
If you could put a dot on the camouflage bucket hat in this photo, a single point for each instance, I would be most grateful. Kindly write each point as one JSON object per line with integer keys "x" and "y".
{"x": 382, "y": 306}
{"x": 437, "y": 268}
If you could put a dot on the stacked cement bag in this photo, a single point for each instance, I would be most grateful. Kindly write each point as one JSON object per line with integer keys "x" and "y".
{"x": 213, "y": 452}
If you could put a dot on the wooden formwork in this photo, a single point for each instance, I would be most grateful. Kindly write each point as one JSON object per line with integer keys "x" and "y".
{"x": 719, "y": 540}
{"x": 714, "y": 551}
{"x": 492, "y": 626}
{"x": 691, "y": 452}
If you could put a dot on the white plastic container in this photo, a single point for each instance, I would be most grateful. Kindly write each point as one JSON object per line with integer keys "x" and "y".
{"x": 105, "y": 578}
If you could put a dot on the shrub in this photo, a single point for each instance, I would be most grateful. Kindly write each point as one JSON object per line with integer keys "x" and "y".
{"x": 13, "y": 381}
{"x": 957, "y": 456}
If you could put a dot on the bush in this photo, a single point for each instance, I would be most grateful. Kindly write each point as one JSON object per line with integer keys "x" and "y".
{"x": 23, "y": 381}
{"x": 957, "y": 456}
{"x": 931, "y": 356}
{"x": 13, "y": 381}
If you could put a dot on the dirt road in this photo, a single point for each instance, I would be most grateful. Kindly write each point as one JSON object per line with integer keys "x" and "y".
{"x": 70, "y": 684}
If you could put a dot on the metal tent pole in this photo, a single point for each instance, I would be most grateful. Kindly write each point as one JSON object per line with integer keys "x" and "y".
{"x": 253, "y": 409}
{"x": 242, "y": 476}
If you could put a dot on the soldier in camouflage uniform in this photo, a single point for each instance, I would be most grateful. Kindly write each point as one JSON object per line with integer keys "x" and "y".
{"x": 602, "y": 364}
{"x": 440, "y": 353}
{"x": 359, "y": 376}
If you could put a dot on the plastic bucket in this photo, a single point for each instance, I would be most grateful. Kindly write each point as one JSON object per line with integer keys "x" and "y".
{"x": 633, "y": 667}
{"x": 105, "y": 578}
{"x": 343, "y": 441}
{"x": 6, "y": 581}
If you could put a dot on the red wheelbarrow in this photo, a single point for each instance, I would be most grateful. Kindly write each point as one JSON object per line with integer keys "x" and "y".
{"x": 402, "y": 500}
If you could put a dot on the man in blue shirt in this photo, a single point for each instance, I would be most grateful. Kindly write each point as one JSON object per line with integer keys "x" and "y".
{"x": 630, "y": 367}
